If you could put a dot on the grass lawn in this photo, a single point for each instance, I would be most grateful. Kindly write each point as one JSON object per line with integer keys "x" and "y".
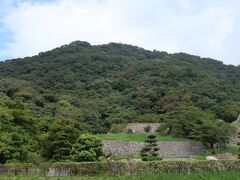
{"x": 163, "y": 176}
{"x": 135, "y": 137}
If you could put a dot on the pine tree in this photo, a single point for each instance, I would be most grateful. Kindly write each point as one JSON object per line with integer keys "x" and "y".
{"x": 149, "y": 151}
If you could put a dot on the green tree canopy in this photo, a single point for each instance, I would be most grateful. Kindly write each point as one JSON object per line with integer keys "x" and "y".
{"x": 58, "y": 141}
{"x": 192, "y": 122}
{"x": 87, "y": 148}
{"x": 229, "y": 112}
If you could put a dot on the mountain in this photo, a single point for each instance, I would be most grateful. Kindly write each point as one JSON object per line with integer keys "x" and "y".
{"x": 98, "y": 86}
{"x": 145, "y": 81}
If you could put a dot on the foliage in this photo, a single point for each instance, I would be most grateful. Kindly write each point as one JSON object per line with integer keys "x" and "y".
{"x": 118, "y": 128}
{"x": 17, "y": 138}
{"x": 87, "y": 148}
{"x": 147, "y": 129}
{"x": 4, "y": 148}
{"x": 220, "y": 151}
{"x": 149, "y": 151}
{"x": 149, "y": 176}
{"x": 118, "y": 168}
{"x": 192, "y": 122}
{"x": 57, "y": 143}
{"x": 121, "y": 116}
{"x": 129, "y": 131}
{"x": 229, "y": 112}
{"x": 89, "y": 88}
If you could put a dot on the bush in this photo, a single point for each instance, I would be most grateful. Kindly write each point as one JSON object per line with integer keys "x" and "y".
{"x": 151, "y": 136}
{"x": 118, "y": 128}
{"x": 147, "y": 129}
{"x": 115, "y": 168}
{"x": 129, "y": 131}
{"x": 87, "y": 148}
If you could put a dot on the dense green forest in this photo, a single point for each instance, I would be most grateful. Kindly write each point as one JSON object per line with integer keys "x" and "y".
{"x": 47, "y": 101}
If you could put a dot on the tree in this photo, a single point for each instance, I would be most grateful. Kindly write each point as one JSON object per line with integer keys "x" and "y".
{"x": 98, "y": 86}
{"x": 65, "y": 110}
{"x": 192, "y": 122}
{"x": 149, "y": 117}
{"x": 212, "y": 133}
{"x": 149, "y": 151}
{"x": 122, "y": 115}
{"x": 229, "y": 112}
{"x": 14, "y": 138}
{"x": 87, "y": 148}
{"x": 57, "y": 143}
{"x": 4, "y": 147}
{"x": 18, "y": 146}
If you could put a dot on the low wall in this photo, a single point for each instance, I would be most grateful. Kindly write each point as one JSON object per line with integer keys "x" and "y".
{"x": 138, "y": 128}
{"x": 166, "y": 148}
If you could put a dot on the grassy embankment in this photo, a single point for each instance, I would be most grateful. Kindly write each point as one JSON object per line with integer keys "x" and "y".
{"x": 136, "y": 137}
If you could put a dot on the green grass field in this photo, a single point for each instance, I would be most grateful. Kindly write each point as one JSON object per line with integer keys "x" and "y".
{"x": 164, "y": 176}
{"x": 135, "y": 137}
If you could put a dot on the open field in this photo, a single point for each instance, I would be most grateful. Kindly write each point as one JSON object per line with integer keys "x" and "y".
{"x": 136, "y": 137}
{"x": 163, "y": 176}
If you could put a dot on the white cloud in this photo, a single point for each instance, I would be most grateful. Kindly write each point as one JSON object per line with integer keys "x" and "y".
{"x": 37, "y": 27}
{"x": 151, "y": 24}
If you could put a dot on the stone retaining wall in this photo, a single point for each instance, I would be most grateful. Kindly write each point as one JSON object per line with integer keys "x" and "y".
{"x": 234, "y": 140}
{"x": 167, "y": 148}
{"x": 138, "y": 128}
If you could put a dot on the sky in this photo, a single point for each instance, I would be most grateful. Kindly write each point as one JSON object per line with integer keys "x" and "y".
{"x": 208, "y": 28}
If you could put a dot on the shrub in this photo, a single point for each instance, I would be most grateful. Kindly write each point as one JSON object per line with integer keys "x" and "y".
{"x": 147, "y": 129}
{"x": 149, "y": 151}
{"x": 129, "y": 131}
{"x": 87, "y": 148}
{"x": 115, "y": 168}
{"x": 118, "y": 128}
{"x": 149, "y": 118}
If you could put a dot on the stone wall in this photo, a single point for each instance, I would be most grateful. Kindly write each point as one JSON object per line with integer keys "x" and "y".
{"x": 234, "y": 140}
{"x": 138, "y": 128}
{"x": 238, "y": 119}
{"x": 167, "y": 148}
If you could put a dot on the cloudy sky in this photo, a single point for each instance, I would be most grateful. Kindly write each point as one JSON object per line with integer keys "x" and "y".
{"x": 209, "y": 28}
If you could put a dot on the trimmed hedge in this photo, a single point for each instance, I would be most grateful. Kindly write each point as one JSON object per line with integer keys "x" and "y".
{"x": 115, "y": 168}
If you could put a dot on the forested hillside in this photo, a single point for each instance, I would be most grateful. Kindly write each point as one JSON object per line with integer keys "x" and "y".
{"x": 57, "y": 95}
